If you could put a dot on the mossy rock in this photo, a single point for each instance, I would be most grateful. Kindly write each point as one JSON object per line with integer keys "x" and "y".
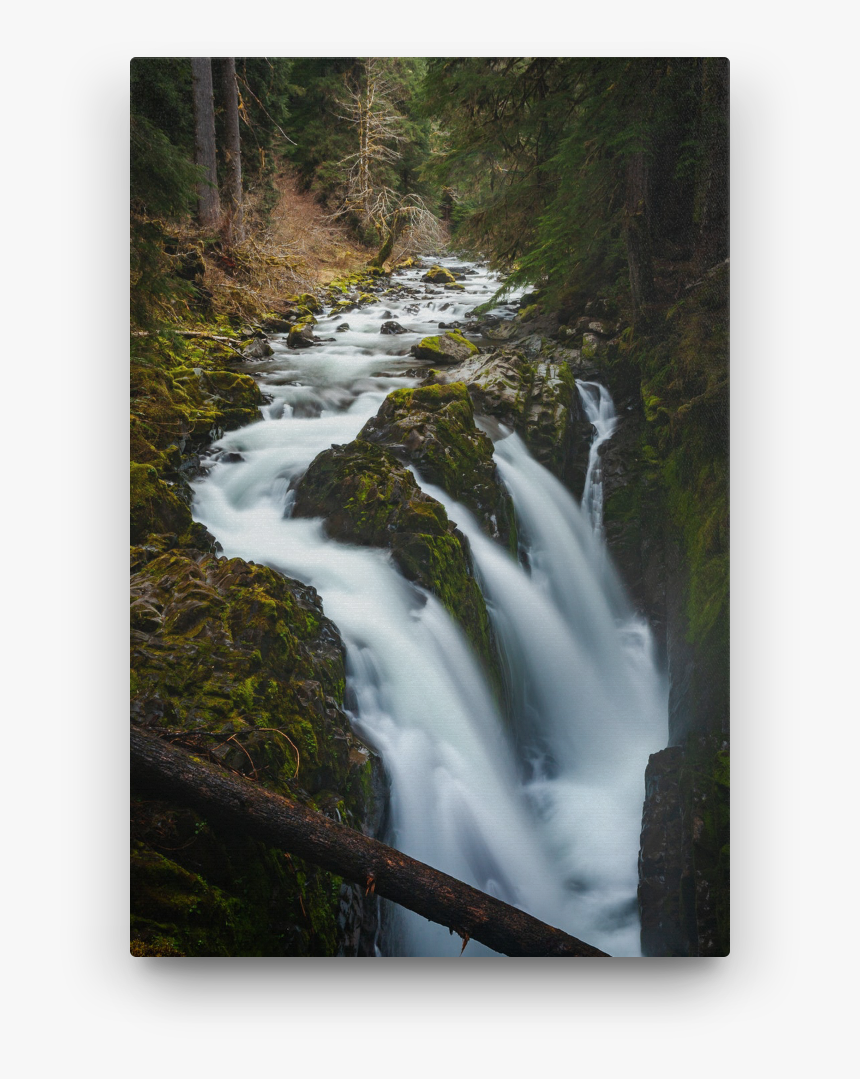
{"x": 438, "y": 275}
{"x": 433, "y": 427}
{"x": 241, "y": 664}
{"x": 155, "y": 506}
{"x": 531, "y": 396}
{"x": 449, "y": 348}
{"x": 310, "y": 303}
{"x": 368, "y": 497}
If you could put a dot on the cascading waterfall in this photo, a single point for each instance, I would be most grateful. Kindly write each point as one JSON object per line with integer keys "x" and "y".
{"x": 540, "y": 807}
{"x": 600, "y": 410}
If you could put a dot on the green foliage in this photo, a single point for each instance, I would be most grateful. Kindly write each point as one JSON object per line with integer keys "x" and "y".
{"x": 684, "y": 378}
{"x": 536, "y": 151}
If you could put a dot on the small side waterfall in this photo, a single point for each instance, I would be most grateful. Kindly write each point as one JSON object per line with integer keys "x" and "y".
{"x": 541, "y": 807}
{"x": 600, "y": 410}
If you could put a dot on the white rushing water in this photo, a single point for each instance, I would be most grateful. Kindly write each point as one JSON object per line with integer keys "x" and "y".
{"x": 600, "y": 410}
{"x": 540, "y": 807}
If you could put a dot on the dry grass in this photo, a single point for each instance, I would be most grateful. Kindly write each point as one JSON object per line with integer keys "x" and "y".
{"x": 295, "y": 249}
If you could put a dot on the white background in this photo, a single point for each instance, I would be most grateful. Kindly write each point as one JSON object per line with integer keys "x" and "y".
{"x": 780, "y": 1003}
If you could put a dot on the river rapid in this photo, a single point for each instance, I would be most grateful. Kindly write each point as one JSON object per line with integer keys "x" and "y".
{"x": 540, "y": 806}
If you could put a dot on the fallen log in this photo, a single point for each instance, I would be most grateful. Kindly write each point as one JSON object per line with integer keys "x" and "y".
{"x": 170, "y": 773}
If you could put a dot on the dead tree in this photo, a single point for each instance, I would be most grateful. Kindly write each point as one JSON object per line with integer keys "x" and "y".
{"x": 369, "y": 106}
{"x": 167, "y": 772}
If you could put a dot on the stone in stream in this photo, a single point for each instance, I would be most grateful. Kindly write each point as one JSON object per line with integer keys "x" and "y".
{"x": 438, "y": 275}
{"x": 368, "y": 497}
{"x": 344, "y": 326}
{"x": 392, "y": 327}
{"x": 259, "y": 349}
{"x": 301, "y": 337}
{"x": 450, "y": 348}
{"x": 530, "y": 392}
{"x": 433, "y": 428}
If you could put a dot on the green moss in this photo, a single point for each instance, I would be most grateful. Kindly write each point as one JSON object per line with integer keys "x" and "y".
{"x": 434, "y": 428}
{"x": 368, "y": 497}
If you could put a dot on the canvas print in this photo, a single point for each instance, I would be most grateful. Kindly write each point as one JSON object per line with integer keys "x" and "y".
{"x": 429, "y": 507}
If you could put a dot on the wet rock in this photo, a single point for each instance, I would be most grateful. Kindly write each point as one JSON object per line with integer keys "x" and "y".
{"x": 259, "y": 349}
{"x": 531, "y": 346}
{"x": 433, "y": 428}
{"x": 344, "y": 326}
{"x": 451, "y": 348}
{"x": 235, "y": 659}
{"x": 502, "y": 331}
{"x": 308, "y": 300}
{"x": 301, "y": 337}
{"x": 535, "y": 397}
{"x": 666, "y": 880}
{"x": 368, "y": 497}
{"x": 438, "y": 275}
{"x": 392, "y": 328}
{"x": 277, "y": 325}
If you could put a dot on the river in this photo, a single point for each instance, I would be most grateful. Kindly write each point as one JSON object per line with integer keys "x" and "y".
{"x": 540, "y": 807}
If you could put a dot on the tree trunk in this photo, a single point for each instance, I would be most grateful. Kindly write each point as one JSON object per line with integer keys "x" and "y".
{"x": 637, "y": 234}
{"x": 714, "y": 184}
{"x": 208, "y": 202}
{"x": 170, "y": 773}
{"x": 235, "y": 230}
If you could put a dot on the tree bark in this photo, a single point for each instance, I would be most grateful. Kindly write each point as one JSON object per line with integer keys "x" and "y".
{"x": 234, "y": 225}
{"x": 638, "y": 234}
{"x": 208, "y": 202}
{"x": 167, "y": 772}
{"x": 714, "y": 183}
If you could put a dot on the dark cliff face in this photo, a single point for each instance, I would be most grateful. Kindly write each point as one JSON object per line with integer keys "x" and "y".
{"x": 665, "y": 518}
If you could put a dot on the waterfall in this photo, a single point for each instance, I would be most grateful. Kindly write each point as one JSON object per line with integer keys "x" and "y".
{"x": 539, "y": 807}
{"x": 600, "y": 410}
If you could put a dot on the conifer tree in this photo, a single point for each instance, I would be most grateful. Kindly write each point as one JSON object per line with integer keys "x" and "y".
{"x": 208, "y": 201}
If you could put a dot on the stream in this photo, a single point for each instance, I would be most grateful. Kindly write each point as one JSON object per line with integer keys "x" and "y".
{"x": 542, "y": 806}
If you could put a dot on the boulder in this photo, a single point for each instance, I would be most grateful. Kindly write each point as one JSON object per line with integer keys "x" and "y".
{"x": 438, "y": 275}
{"x": 301, "y": 337}
{"x": 368, "y": 497}
{"x": 532, "y": 396}
{"x": 344, "y": 326}
{"x": 450, "y": 348}
{"x": 503, "y": 330}
{"x": 392, "y": 327}
{"x": 433, "y": 428}
{"x": 277, "y": 325}
{"x": 259, "y": 349}
{"x": 243, "y": 663}
{"x": 308, "y": 300}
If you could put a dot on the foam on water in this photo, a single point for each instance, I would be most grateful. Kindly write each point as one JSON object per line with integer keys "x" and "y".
{"x": 539, "y": 806}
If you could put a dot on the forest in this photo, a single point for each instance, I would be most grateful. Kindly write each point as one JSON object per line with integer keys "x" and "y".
{"x": 429, "y": 506}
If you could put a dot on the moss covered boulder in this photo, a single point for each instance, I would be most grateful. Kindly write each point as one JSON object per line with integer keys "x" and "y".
{"x": 449, "y": 348}
{"x": 368, "y": 497}
{"x": 236, "y": 662}
{"x": 438, "y": 275}
{"x": 433, "y": 428}
{"x": 530, "y": 395}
